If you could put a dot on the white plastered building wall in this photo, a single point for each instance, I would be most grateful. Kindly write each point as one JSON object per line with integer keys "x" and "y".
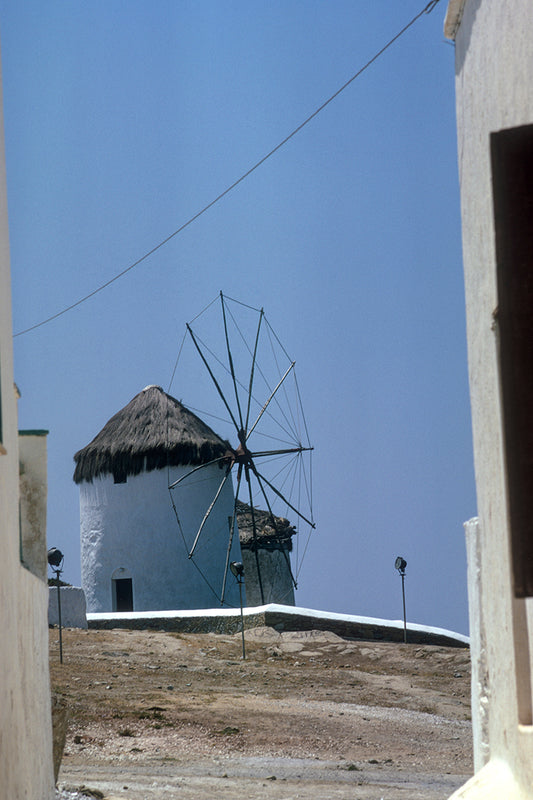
{"x": 130, "y": 530}
{"x": 26, "y": 765}
{"x": 494, "y": 89}
{"x": 33, "y": 488}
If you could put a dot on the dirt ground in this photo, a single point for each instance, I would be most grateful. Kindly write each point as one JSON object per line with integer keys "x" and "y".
{"x": 306, "y": 715}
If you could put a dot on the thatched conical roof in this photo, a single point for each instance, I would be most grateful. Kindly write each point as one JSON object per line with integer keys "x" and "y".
{"x": 152, "y": 431}
{"x": 271, "y": 532}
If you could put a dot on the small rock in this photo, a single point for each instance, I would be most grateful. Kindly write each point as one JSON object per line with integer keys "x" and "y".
{"x": 87, "y": 792}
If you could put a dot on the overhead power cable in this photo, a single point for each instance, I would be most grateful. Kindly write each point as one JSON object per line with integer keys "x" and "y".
{"x": 426, "y": 10}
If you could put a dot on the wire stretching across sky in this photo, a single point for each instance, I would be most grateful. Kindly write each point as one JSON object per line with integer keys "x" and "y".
{"x": 426, "y": 10}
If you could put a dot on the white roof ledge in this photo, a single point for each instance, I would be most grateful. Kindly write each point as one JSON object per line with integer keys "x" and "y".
{"x": 454, "y": 15}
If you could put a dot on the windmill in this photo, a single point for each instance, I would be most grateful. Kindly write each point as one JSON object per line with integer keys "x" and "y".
{"x": 241, "y": 376}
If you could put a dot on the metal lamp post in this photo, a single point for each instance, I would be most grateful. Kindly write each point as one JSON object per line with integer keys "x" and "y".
{"x": 237, "y": 569}
{"x": 55, "y": 560}
{"x": 400, "y": 565}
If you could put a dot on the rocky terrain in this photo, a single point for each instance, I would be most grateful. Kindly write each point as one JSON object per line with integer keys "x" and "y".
{"x": 307, "y": 714}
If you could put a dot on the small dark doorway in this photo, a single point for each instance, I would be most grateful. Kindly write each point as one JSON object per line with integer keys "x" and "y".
{"x": 123, "y": 590}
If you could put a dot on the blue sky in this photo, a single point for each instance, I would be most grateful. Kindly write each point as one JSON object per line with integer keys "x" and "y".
{"x": 122, "y": 121}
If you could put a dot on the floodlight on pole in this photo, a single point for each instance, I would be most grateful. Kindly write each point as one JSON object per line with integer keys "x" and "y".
{"x": 400, "y": 564}
{"x": 55, "y": 560}
{"x": 237, "y": 568}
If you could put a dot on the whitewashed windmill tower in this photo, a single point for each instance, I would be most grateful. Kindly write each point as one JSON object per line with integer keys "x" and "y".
{"x": 134, "y": 543}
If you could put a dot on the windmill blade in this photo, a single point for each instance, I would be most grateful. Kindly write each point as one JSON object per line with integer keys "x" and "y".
{"x": 287, "y": 559}
{"x": 279, "y": 494}
{"x": 254, "y": 535}
{"x": 280, "y": 452}
{"x": 252, "y": 370}
{"x": 195, "y": 469}
{"x": 219, "y": 390}
{"x": 231, "y": 532}
{"x": 230, "y": 360}
{"x": 270, "y": 399}
{"x": 208, "y": 512}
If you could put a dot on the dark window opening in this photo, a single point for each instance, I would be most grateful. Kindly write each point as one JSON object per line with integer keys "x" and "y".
{"x": 512, "y": 173}
{"x": 2, "y": 448}
{"x": 123, "y": 588}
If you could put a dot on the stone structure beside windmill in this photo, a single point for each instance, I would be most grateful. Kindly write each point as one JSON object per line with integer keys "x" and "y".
{"x": 266, "y": 558}
{"x": 136, "y": 536}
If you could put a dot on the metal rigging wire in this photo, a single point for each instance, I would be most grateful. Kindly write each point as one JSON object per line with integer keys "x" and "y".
{"x": 426, "y": 10}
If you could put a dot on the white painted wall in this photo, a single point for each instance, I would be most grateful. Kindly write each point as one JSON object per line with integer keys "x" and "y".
{"x": 133, "y": 526}
{"x": 33, "y": 487}
{"x": 26, "y": 767}
{"x": 478, "y": 646}
{"x": 494, "y": 87}
{"x": 73, "y": 607}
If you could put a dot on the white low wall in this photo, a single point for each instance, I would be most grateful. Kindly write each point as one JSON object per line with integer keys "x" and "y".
{"x": 282, "y": 618}
{"x": 26, "y": 765}
{"x": 73, "y": 607}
